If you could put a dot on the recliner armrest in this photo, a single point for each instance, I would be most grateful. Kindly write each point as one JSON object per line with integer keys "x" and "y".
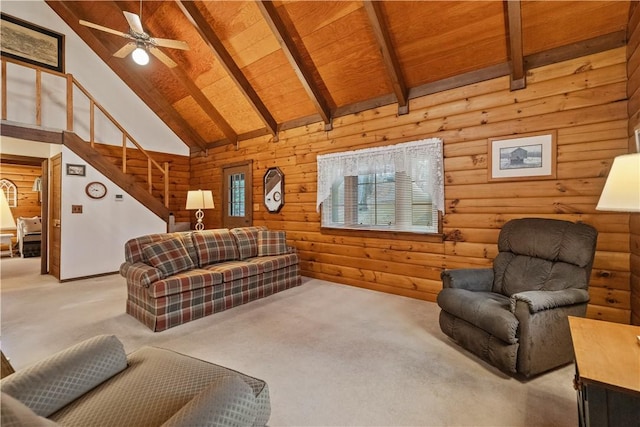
{"x": 546, "y": 300}
{"x": 473, "y": 279}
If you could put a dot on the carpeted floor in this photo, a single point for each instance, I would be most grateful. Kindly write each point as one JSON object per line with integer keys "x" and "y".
{"x": 332, "y": 355}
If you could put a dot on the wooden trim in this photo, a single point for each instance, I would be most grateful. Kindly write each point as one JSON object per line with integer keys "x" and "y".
{"x": 38, "y": 97}
{"x": 4, "y": 90}
{"x": 30, "y": 133}
{"x": 393, "y": 235}
{"x": 13, "y": 159}
{"x": 514, "y": 18}
{"x": 576, "y": 50}
{"x": 472, "y": 77}
{"x": 392, "y": 65}
{"x": 280, "y": 30}
{"x": 201, "y": 24}
{"x": 44, "y": 242}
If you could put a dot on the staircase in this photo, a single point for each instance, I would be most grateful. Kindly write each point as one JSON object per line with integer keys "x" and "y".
{"x": 140, "y": 188}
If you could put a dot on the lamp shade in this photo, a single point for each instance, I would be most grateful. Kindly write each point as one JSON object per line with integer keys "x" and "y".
{"x": 621, "y": 191}
{"x": 200, "y": 199}
{"x": 6, "y": 218}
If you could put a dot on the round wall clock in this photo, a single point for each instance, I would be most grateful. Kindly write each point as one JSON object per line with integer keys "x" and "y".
{"x": 96, "y": 190}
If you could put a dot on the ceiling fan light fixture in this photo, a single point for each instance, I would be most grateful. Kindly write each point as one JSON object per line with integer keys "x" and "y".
{"x": 140, "y": 56}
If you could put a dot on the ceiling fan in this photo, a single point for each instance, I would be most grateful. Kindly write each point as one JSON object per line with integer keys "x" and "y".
{"x": 140, "y": 42}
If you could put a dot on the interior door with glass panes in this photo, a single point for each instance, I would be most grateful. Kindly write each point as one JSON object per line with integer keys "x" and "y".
{"x": 237, "y": 196}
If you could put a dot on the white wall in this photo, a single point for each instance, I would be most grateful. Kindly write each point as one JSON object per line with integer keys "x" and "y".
{"x": 103, "y": 84}
{"x": 93, "y": 241}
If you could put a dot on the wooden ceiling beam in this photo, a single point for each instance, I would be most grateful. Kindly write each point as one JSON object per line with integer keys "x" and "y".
{"x": 200, "y": 23}
{"x": 141, "y": 86}
{"x": 379, "y": 26}
{"x": 514, "y": 41}
{"x": 281, "y": 32}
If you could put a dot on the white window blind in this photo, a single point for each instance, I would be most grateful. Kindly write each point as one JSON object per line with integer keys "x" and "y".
{"x": 398, "y": 187}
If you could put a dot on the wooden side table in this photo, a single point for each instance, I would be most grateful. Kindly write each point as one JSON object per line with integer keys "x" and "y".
{"x": 607, "y": 358}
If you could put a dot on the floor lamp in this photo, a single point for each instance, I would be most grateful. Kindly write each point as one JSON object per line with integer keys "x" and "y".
{"x": 199, "y": 199}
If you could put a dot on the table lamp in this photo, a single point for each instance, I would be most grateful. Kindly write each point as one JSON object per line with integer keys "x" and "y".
{"x": 621, "y": 191}
{"x": 199, "y": 199}
{"x": 6, "y": 218}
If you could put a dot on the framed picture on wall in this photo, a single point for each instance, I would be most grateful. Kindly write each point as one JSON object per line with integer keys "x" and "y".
{"x": 78, "y": 170}
{"x": 527, "y": 156}
{"x": 31, "y": 43}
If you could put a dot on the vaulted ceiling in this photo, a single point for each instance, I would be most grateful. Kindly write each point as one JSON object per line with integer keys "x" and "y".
{"x": 257, "y": 67}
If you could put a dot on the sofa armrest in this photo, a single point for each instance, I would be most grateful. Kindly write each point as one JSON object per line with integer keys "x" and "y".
{"x": 546, "y": 300}
{"x": 472, "y": 279}
{"x": 227, "y": 402}
{"x": 58, "y": 380}
{"x": 141, "y": 274}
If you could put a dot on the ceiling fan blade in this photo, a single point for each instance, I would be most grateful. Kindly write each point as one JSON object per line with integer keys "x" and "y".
{"x": 134, "y": 22}
{"x": 105, "y": 29}
{"x": 125, "y": 50}
{"x": 173, "y": 44}
{"x": 162, "y": 57}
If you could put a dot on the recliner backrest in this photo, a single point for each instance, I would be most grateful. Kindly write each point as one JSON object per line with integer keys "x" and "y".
{"x": 543, "y": 254}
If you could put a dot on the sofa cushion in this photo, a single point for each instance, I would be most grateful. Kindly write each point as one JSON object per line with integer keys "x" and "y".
{"x": 14, "y": 413}
{"x": 58, "y": 380}
{"x": 184, "y": 281}
{"x": 133, "y": 247}
{"x": 488, "y": 311}
{"x": 272, "y": 243}
{"x": 234, "y": 270}
{"x": 215, "y": 246}
{"x": 169, "y": 256}
{"x": 274, "y": 262}
{"x": 227, "y": 402}
{"x": 247, "y": 241}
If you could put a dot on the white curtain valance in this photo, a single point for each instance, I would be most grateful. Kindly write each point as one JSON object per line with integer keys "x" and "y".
{"x": 332, "y": 168}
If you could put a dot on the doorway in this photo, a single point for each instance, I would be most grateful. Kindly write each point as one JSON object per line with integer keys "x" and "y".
{"x": 237, "y": 195}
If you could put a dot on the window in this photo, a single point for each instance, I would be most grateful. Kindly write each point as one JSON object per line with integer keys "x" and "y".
{"x": 236, "y": 194}
{"x": 394, "y": 188}
{"x": 10, "y": 191}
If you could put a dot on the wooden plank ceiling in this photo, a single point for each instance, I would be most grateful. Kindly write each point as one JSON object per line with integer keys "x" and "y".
{"x": 257, "y": 67}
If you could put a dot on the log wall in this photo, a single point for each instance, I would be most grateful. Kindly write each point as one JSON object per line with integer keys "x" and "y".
{"x": 137, "y": 167}
{"x": 584, "y": 100}
{"x": 633, "y": 92}
{"x": 23, "y": 177}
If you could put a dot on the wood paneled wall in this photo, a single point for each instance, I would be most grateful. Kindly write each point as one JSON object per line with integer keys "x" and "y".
{"x": 23, "y": 177}
{"x": 584, "y": 100}
{"x": 633, "y": 92}
{"x": 137, "y": 166}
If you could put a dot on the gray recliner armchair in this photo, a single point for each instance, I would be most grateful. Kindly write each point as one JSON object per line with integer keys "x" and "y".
{"x": 514, "y": 315}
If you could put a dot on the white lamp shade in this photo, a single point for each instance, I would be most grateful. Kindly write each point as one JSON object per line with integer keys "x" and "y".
{"x": 621, "y": 191}
{"x": 200, "y": 199}
{"x": 6, "y": 218}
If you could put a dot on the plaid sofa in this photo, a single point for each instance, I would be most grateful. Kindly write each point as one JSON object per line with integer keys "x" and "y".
{"x": 173, "y": 278}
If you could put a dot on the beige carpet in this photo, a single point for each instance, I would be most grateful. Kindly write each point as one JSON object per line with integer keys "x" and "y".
{"x": 332, "y": 355}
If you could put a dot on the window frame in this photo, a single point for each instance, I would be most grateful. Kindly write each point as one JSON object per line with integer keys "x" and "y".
{"x": 335, "y": 168}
